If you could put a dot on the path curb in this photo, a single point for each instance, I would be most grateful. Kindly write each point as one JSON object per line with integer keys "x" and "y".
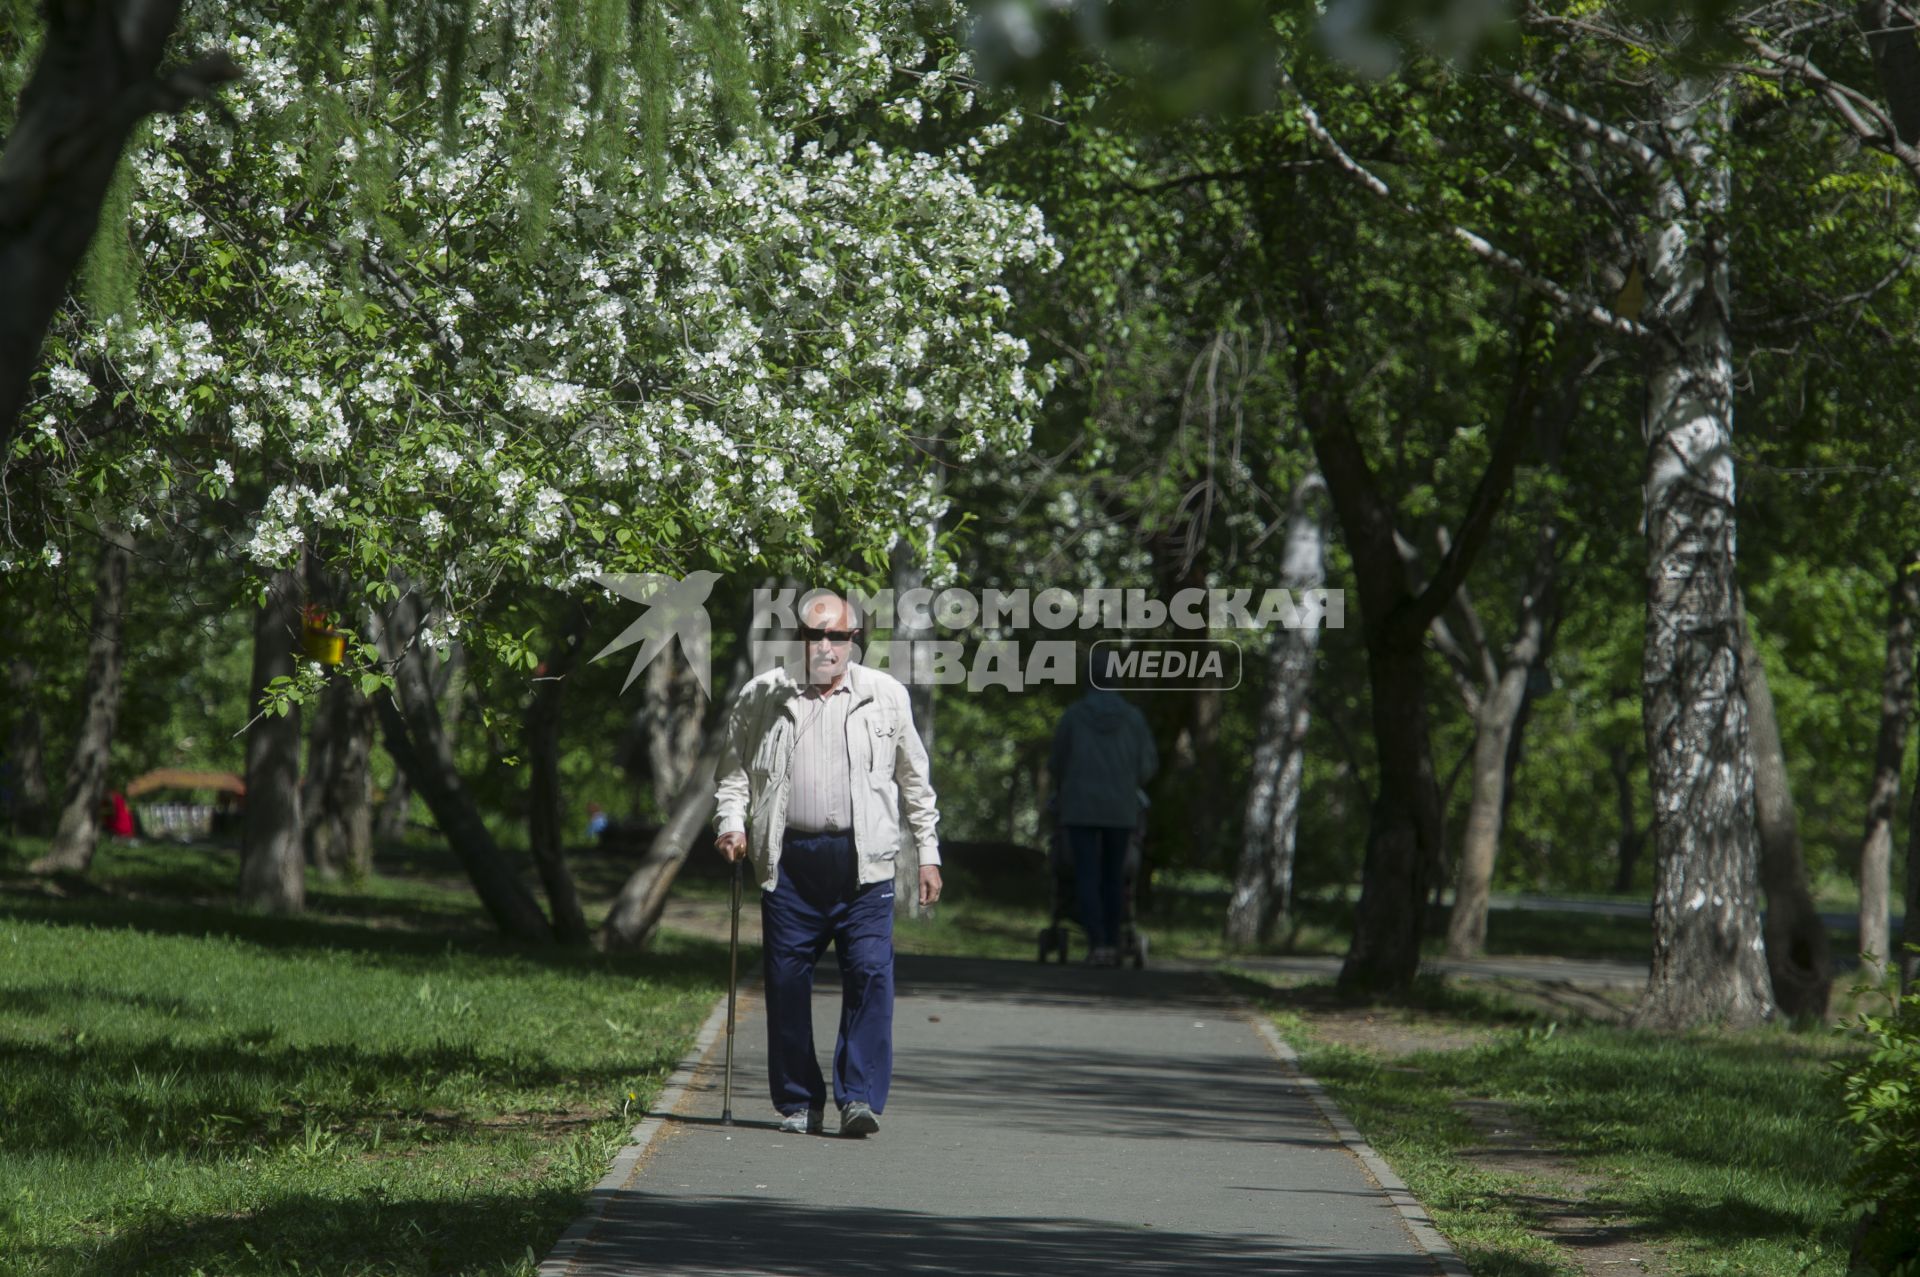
{"x": 1425, "y": 1234}
{"x": 560, "y": 1259}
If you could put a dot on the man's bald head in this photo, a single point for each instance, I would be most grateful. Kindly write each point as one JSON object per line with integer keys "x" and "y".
{"x": 828, "y": 627}
{"x": 825, "y": 611}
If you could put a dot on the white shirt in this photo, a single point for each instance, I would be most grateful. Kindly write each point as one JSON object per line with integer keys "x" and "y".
{"x": 819, "y": 797}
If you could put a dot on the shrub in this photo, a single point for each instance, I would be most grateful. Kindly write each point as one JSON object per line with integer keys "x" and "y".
{"x": 1883, "y": 1104}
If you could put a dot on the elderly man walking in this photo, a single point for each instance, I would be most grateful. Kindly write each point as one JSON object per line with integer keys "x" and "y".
{"x": 810, "y": 782}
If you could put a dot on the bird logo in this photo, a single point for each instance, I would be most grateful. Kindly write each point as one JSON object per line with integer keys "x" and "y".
{"x": 676, "y": 608}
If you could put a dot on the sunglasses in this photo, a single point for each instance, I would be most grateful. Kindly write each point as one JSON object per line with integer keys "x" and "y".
{"x": 812, "y": 635}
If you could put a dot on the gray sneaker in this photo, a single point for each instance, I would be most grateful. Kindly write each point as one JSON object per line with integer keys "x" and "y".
{"x": 805, "y": 1122}
{"x": 857, "y": 1120}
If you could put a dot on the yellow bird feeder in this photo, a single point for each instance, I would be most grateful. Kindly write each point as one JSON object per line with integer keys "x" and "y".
{"x": 320, "y": 641}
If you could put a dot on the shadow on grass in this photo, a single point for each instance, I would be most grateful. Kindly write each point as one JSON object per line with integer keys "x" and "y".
{"x": 203, "y": 1098}
{"x": 366, "y": 1232}
{"x": 1727, "y": 1218}
{"x": 421, "y": 906}
{"x": 59, "y": 997}
{"x": 399, "y": 934}
{"x": 1565, "y": 935}
{"x": 1490, "y": 1262}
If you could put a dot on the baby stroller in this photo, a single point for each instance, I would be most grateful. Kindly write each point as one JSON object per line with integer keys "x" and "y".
{"x": 1054, "y": 936}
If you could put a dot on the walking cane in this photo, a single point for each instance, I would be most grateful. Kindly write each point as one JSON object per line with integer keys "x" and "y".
{"x": 733, "y": 986}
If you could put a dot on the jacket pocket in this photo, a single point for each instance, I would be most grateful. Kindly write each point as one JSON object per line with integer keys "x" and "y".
{"x": 883, "y": 739}
{"x": 770, "y": 751}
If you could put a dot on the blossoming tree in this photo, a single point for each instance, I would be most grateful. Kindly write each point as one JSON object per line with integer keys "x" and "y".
{"x": 527, "y": 350}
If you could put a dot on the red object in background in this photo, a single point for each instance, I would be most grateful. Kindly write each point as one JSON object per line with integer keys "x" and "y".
{"x": 119, "y": 815}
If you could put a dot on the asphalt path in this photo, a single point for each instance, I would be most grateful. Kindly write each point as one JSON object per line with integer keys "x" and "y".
{"x": 1043, "y": 1120}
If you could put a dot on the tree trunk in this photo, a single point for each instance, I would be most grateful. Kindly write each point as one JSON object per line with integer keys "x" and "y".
{"x": 1262, "y": 899}
{"x": 1799, "y": 958}
{"x": 1467, "y": 924}
{"x": 1910, "y": 926}
{"x": 643, "y": 897}
{"x": 316, "y": 830}
{"x": 1495, "y": 728}
{"x": 447, "y": 680}
{"x": 272, "y": 870}
{"x": 78, "y": 832}
{"x": 449, "y": 691}
{"x": 418, "y": 742}
{"x": 396, "y": 805}
{"x": 93, "y": 82}
{"x": 1896, "y": 709}
{"x": 908, "y": 571}
{"x": 1707, "y": 948}
{"x": 351, "y": 796}
{"x": 1896, "y": 62}
{"x": 1404, "y": 821}
{"x": 636, "y": 911}
{"x": 545, "y": 823}
{"x": 674, "y": 705}
{"x": 1442, "y": 876}
{"x": 1402, "y": 831}
{"x": 1633, "y": 839}
{"x": 26, "y": 747}
{"x": 1896, "y": 59}
{"x": 337, "y": 799}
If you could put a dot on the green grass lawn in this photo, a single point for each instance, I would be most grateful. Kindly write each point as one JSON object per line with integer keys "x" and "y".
{"x": 380, "y": 1087}
{"x": 1724, "y": 1153}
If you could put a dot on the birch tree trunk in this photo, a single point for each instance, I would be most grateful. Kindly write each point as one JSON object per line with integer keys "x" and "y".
{"x": 78, "y": 833}
{"x": 545, "y": 823}
{"x": 1799, "y": 957}
{"x": 1707, "y": 964}
{"x": 415, "y": 737}
{"x": 272, "y": 869}
{"x": 1896, "y": 709}
{"x": 1262, "y": 898}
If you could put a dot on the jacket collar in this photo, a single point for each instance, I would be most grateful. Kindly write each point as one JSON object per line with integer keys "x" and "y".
{"x": 860, "y": 682}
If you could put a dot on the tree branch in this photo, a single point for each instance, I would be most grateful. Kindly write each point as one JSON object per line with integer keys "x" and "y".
{"x": 1583, "y": 307}
{"x": 1644, "y": 157}
{"x": 1852, "y": 106}
{"x": 96, "y": 76}
{"x": 1489, "y": 494}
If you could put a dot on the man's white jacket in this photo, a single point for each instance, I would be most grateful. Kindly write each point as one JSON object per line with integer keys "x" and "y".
{"x": 885, "y": 762}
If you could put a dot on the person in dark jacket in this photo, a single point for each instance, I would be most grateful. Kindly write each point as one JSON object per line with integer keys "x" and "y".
{"x": 1102, "y": 755}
